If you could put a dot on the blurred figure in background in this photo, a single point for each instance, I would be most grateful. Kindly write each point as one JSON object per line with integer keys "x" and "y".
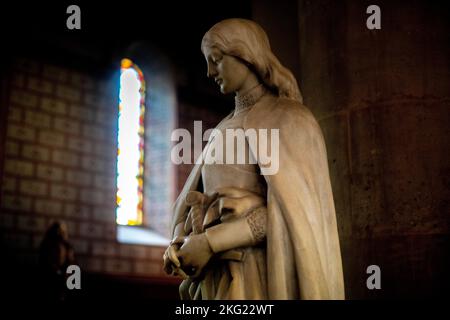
{"x": 55, "y": 255}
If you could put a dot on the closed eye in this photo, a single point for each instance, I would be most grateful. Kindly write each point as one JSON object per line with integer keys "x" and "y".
{"x": 216, "y": 61}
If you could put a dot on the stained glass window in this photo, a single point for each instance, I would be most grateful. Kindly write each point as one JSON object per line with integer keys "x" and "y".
{"x": 130, "y": 151}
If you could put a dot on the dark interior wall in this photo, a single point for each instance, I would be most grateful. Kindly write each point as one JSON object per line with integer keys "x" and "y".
{"x": 382, "y": 100}
{"x": 58, "y": 112}
{"x": 279, "y": 20}
{"x": 59, "y": 165}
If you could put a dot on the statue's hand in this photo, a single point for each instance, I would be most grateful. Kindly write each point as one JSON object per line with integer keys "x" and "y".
{"x": 199, "y": 203}
{"x": 194, "y": 254}
{"x": 237, "y": 202}
{"x": 172, "y": 264}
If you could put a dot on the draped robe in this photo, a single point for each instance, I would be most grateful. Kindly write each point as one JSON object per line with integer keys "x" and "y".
{"x": 303, "y": 258}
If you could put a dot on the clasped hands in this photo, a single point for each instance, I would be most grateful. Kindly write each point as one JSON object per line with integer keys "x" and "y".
{"x": 187, "y": 256}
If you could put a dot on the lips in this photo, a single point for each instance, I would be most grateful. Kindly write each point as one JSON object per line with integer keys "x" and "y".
{"x": 219, "y": 81}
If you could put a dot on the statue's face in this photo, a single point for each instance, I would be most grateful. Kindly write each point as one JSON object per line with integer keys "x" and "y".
{"x": 228, "y": 72}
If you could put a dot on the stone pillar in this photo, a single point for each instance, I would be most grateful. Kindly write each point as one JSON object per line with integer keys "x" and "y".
{"x": 382, "y": 99}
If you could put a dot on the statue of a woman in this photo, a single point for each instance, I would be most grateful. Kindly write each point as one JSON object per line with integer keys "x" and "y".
{"x": 239, "y": 233}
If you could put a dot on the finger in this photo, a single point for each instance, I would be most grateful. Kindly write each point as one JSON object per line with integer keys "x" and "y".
{"x": 240, "y": 206}
{"x": 232, "y": 192}
{"x": 179, "y": 272}
{"x": 210, "y": 198}
{"x": 229, "y": 205}
{"x": 167, "y": 264}
{"x": 212, "y": 214}
{"x": 250, "y": 202}
{"x": 173, "y": 256}
{"x": 197, "y": 218}
{"x": 178, "y": 240}
{"x": 194, "y": 197}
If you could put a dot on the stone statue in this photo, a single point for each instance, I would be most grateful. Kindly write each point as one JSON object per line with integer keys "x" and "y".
{"x": 239, "y": 233}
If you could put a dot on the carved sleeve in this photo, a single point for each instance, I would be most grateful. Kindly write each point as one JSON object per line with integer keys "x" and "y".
{"x": 257, "y": 220}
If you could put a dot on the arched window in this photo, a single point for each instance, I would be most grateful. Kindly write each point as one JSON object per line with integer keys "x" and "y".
{"x": 146, "y": 176}
{"x": 130, "y": 150}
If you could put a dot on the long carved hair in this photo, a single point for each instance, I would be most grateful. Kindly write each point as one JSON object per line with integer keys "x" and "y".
{"x": 247, "y": 41}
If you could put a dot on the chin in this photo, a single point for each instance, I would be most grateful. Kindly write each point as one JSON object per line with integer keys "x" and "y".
{"x": 225, "y": 89}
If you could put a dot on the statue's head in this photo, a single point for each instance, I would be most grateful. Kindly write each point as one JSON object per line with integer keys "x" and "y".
{"x": 229, "y": 72}
{"x": 58, "y": 230}
{"x": 234, "y": 48}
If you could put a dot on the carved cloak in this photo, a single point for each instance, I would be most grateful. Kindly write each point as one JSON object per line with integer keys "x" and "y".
{"x": 303, "y": 251}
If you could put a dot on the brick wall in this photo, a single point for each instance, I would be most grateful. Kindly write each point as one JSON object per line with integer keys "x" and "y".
{"x": 59, "y": 163}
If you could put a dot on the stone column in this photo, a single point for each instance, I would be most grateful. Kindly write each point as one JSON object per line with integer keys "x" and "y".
{"x": 382, "y": 98}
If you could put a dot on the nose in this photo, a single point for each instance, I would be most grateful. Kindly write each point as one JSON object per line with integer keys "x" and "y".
{"x": 212, "y": 71}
